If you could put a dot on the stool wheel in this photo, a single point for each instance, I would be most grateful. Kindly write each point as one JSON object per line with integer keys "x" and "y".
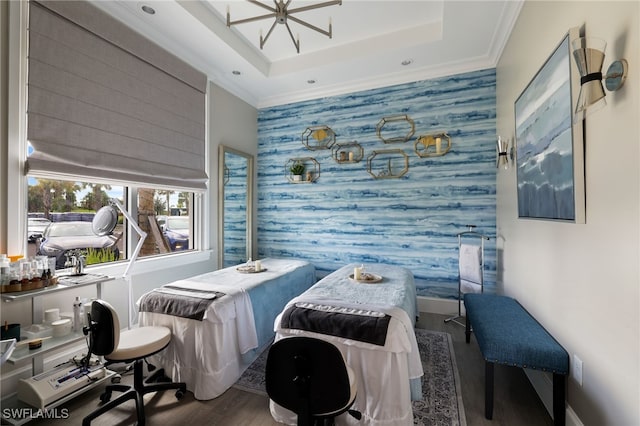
{"x": 179, "y": 394}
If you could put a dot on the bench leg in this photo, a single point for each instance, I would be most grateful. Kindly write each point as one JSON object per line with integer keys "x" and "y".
{"x": 467, "y": 329}
{"x": 488, "y": 390}
{"x": 559, "y": 412}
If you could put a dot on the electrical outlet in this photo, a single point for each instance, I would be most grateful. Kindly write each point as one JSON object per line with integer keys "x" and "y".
{"x": 576, "y": 369}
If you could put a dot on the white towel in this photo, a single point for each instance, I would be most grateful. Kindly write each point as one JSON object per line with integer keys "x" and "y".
{"x": 469, "y": 287}
{"x": 470, "y": 263}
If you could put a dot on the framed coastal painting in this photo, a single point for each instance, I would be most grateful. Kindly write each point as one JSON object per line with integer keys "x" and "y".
{"x": 549, "y": 145}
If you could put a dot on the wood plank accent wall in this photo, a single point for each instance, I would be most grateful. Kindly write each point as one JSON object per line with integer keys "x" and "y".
{"x": 347, "y": 216}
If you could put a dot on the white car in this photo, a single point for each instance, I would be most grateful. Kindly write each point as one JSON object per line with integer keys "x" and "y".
{"x": 35, "y": 228}
{"x": 61, "y": 237}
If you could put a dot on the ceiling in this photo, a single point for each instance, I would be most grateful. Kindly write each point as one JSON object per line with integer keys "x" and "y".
{"x": 371, "y": 39}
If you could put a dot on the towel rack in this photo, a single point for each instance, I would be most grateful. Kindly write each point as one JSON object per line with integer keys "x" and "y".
{"x": 470, "y": 232}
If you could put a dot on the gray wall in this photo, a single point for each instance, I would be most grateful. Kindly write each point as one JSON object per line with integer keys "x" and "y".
{"x": 234, "y": 123}
{"x": 581, "y": 281}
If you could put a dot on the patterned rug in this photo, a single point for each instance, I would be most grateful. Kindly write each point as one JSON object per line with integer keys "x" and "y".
{"x": 442, "y": 397}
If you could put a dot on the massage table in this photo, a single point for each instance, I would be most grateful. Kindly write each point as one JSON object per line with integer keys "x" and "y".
{"x": 210, "y": 354}
{"x": 388, "y": 374}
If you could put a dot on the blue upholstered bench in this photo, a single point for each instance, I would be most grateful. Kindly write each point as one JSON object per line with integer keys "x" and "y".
{"x": 508, "y": 334}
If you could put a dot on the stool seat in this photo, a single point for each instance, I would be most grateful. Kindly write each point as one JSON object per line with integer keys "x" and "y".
{"x": 140, "y": 342}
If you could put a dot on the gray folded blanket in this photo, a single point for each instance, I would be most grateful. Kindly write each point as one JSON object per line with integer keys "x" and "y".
{"x": 365, "y": 326}
{"x": 179, "y": 302}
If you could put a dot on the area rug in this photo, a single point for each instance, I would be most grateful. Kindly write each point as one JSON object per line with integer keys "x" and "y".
{"x": 442, "y": 397}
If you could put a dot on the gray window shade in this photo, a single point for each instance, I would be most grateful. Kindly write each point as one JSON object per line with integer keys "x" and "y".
{"x": 105, "y": 103}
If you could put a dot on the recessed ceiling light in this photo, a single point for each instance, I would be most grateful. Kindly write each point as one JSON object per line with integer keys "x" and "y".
{"x": 148, "y": 9}
{"x": 311, "y": 81}
{"x": 236, "y": 72}
{"x": 407, "y": 62}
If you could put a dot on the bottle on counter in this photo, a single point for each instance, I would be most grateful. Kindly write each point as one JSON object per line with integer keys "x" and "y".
{"x": 14, "y": 273}
{"x": 4, "y": 270}
{"x": 25, "y": 271}
{"x": 77, "y": 321}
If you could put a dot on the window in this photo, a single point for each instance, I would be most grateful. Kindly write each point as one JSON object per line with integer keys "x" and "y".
{"x": 133, "y": 118}
{"x": 60, "y": 214}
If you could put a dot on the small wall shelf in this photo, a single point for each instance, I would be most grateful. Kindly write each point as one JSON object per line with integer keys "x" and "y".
{"x": 349, "y": 152}
{"x": 318, "y": 137}
{"x": 435, "y": 145}
{"x": 395, "y": 158}
{"x": 399, "y": 124}
{"x": 311, "y": 167}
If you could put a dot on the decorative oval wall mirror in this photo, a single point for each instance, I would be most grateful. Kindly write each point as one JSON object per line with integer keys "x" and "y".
{"x": 235, "y": 206}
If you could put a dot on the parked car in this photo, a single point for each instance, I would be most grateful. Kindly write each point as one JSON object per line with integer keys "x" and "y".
{"x": 35, "y": 228}
{"x": 176, "y": 230}
{"x": 60, "y": 237}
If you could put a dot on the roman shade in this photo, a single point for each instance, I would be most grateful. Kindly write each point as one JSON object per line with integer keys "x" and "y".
{"x": 107, "y": 104}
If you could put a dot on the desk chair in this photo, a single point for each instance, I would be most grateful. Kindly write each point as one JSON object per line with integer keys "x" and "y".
{"x": 309, "y": 377}
{"x": 131, "y": 346}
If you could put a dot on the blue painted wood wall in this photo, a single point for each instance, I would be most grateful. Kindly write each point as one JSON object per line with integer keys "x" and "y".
{"x": 348, "y": 216}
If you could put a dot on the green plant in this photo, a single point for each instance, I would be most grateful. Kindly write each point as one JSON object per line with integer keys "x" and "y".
{"x": 297, "y": 168}
{"x": 99, "y": 256}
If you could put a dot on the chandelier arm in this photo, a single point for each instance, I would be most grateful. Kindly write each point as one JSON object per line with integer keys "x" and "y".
{"x": 263, "y": 41}
{"x": 281, "y": 13}
{"x": 295, "y": 43}
{"x": 308, "y": 25}
{"x": 257, "y": 3}
{"x": 255, "y": 18}
{"x": 314, "y": 6}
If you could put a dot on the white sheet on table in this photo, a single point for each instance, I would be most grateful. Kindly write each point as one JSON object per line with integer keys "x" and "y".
{"x": 236, "y": 306}
{"x": 208, "y": 295}
{"x": 208, "y": 359}
{"x": 238, "y": 303}
{"x": 399, "y": 359}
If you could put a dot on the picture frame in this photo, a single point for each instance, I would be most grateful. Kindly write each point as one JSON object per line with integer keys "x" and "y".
{"x": 549, "y": 145}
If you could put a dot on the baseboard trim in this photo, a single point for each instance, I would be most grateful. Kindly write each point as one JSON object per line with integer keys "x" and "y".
{"x": 435, "y": 305}
{"x": 543, "y": 384}
{"x": 572, "y": 417}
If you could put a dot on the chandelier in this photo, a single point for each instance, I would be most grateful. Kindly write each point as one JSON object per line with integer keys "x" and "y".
{"x": 282, "y": 14}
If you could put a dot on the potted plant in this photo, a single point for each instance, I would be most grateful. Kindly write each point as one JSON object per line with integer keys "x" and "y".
{"x": 297, "y": 170}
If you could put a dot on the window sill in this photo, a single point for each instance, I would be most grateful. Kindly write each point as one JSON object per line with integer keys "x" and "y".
{"x": 153, "y": 264}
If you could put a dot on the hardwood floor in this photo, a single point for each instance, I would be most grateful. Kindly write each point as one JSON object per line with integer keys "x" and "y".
{"x": 515, "y": 403}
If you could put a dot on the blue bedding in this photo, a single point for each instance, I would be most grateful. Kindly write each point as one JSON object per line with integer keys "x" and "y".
{"x": 397, "y": 288}
{"x": 270, "y": 298}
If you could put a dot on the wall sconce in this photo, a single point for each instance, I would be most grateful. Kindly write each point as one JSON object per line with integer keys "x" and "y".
{"x": 589, "y": 56}
{"x": 502, "y": 150}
